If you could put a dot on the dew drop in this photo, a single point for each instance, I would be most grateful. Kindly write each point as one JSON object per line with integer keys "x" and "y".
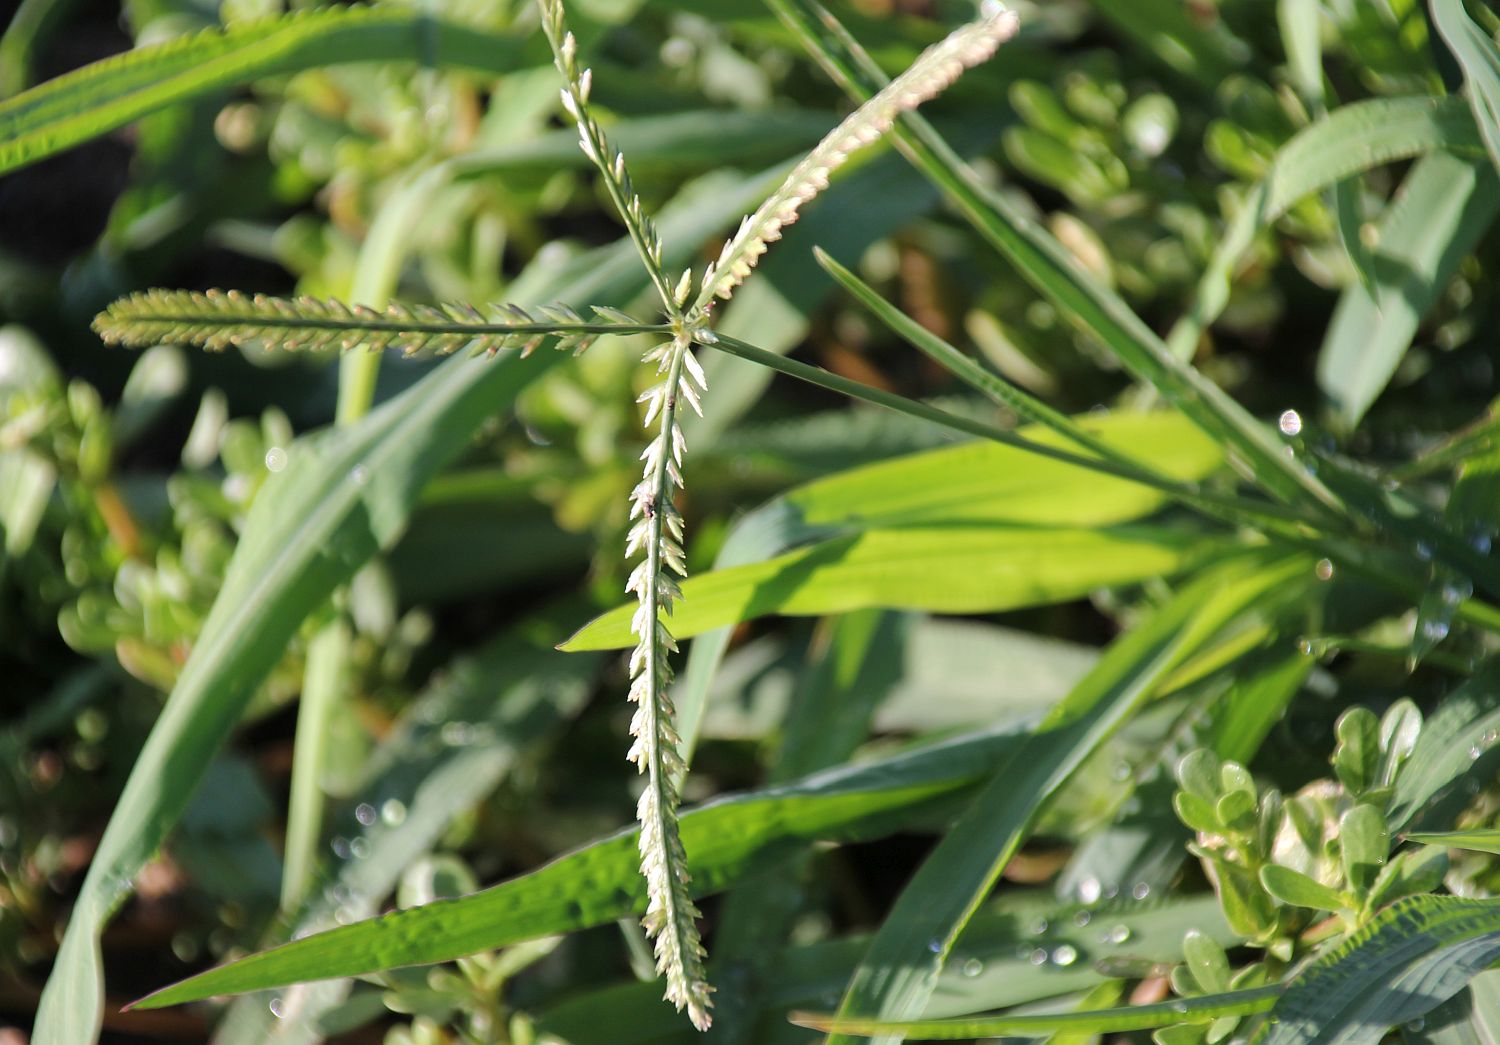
{"x": 1434, "y": 630}
{"x": 1038, "y": 956}
{"x": 1039, "y": 926}
{"x": 359, "y": 848}
{"x": 1489, "y": 738}
{"x": 1480, "y": 542}
{"x": 1090, "y": 889}
{"x": 276, "y": 459}
{"x": 278, "y": 1008}
{"x": 1424, "y": 551}
{"x": 1475, "y": 752}
{"x": 1082, "y": 918}
{"x": 1065, "y": 955}
{"x": 393, "y": 812}
{"x": 365, "y": 813}
{"x": 1120, "y": 772}
{"x": 1140, "y": 890}
{"x": 973, "y": 967}
{"x": 1324, "y": 569}
{"x": 1290, "y": 422}
{"x": 1305, "y": 647}
{"x": 340, "y": 847}
{"x": 359, "y": 475}
{"x": 1417, "y": 1025}
{"x": 1179, "y": 1006}
{"x": 935, "y": 945}
{"x": 1117, "y": 934}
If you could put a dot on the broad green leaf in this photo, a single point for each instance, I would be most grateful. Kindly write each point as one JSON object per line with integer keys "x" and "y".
{"x": 969, "y": 484}
{"x": 1351, "y": 139}
{"x": 900, "y": 970}
{"x": 98, "y": 98}
{"x": 962, "y": 568}
{"x": 727, "y": 840}
{"x": 342, "y": 495}
{"x": 1295, "y": 888}
{"x": 1475, "y": 841}
{"x": 1200, "y": 1009}
{"x": 1444, "y": 207}
{"x": 1410, "y": 958}
{"x": 1475, "y": 50}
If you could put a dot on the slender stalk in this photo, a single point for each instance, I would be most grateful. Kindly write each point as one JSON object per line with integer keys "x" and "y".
{"x": 323, "y": 684}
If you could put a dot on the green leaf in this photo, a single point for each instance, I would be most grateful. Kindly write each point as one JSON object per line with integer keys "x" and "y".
{"x": 1364, "y": 845}
{"x": 728, "y": 839}
{"x": 1442, "y": 210}
{"x": 1419, "y": 870}
{"x": 1475, "y": 841}
{"x": 997, "y": 967}
{"x": 1356, "y": 758}
{"x": 1206, "y": 961}
{"x": 98, "y": 98}
{"x": 1201, "y": 1009}
{"x": 342, "y": 495}
{"x": 962, "y": 568}
{"x": 1410, "y": 958}
{"x": 898, "y": 974}
{"x": 508, "y": 699}
{"x": 1352, "y": 138}
{"x": 1475, "y": 50}
{"x": 979, "y": 496}
{"x": 1044, "y": 262}
{"x": 1448, "y": 749}
{"x": 1298, "y": 890}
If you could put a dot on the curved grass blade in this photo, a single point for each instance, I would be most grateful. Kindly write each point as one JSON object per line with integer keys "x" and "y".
{"x": 1047, "y": 265}
{"x": 1201, "y": 1009}
{"x": 1029, "y": 408}
{"x": 341, "y": 496}
{"x": 730, "y": 838}
{"x": 1409, "y": 959}
{"x": 1351, "y": 139}
{"x": 1476, "y": 54}
{"x": 900, "y": 970}
{"x": 513, "y": 696}
{"x": 1444, "y": 207}
{"x": 96, "y": 99}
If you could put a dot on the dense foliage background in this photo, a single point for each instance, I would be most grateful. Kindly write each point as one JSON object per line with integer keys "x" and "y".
{"x": 912, "y": 621}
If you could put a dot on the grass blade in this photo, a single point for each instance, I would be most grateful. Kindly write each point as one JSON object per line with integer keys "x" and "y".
{"x": 944, "y": 568}
{"x": 1410, "y": 958}
{"x": 1476, "y": 54}
{"x": 342, "y": 496}
{"x": 898, "y": 973}
{"x": 1048, "y": 266}
{"x": 1201, "y": 1009}
{"x": 107, "y": 94}
{"x": 1443, "y": 209}
{"x": 730, "y": 838}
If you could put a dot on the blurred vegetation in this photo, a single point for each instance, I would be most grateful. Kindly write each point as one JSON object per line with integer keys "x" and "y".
{"x": 462, "y": 749}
